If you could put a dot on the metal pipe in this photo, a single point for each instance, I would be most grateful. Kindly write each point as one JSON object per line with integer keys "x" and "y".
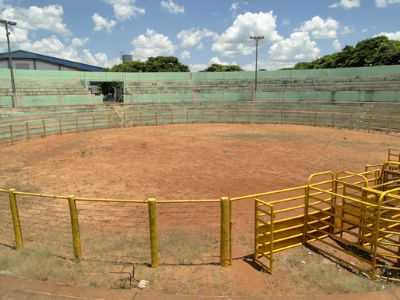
{"x": 257, "y": 39}
{"x": 10, "y": 65}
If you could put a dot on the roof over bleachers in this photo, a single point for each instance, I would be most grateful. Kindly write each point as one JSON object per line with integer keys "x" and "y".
{"x": 22, "y": 54}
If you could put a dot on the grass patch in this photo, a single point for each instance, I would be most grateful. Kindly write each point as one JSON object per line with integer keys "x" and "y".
{"x": 187, "y": 248}
{"x": 332, "y": 279}
{"x": 116, "y": 246}
{"x": 40, "y": 265}
{"x": 326, "y": 275}
{"x": 43, "y": 265}
{"x": 189, "y": 280}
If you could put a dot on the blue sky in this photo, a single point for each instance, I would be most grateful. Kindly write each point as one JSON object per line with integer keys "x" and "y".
{"x": 198, "y": 32}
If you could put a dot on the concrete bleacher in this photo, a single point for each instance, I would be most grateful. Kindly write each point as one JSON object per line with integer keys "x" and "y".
{"x": 52, "y": 88}
{"x": 367, "y": 98}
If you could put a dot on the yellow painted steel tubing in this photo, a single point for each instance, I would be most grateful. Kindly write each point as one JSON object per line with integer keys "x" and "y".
{"x": 110, "y": 200}
{"x": 312, "y": 176}
{"x": 76, "y": 237}
{"x": 152, "y": 206}
{"x": 344, "y": 197}
{"x": 352, "y": 174}
{"x": 187, "y": 201}
{"x": 251, "y": 197}
{"x": 40, "y": 195}
{"x": 225, "y": 240}
{"x": 19, "y": 241}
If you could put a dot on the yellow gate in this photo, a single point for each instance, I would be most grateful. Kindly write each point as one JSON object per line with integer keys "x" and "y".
{"x": 264, "y": 234}
{"x": 279, "y": 223}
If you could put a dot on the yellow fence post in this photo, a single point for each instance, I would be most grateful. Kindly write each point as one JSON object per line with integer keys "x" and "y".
{"x": 156, "y": 118}
{"x": 11, "y": 128}
{"x": 225, "y": 232}
{"x": 109, "y": 120}
{"x": 93, "y": 121}
{"x": 369, "y": 123}
{"x": 60, "y": 127}
{"x": 152, "y": 204}
{"x": 28, "y": 131}
{"x": 19, "y": 241}
{"x": 44, "y": 128}
{"x": 76, "y": 236}
{"x": 76, "y": 124}
{"x": 306, "y": 207}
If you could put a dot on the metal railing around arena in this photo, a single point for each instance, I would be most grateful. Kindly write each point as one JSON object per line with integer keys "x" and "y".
{"x": 25, "y": 128}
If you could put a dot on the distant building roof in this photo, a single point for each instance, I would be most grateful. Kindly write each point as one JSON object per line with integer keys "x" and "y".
{"x": 21, "y": 54}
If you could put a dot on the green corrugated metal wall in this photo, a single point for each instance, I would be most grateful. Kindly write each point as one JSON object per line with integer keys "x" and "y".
{"x": 48, "y": 88}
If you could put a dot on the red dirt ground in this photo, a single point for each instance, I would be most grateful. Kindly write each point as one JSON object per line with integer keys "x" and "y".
{"x": 186, "y": 161}
{"x": 189, "y": 162}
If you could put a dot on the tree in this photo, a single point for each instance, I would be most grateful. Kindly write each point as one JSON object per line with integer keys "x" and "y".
{"x": 165, "y": 64}
{"x": 371, "y": 52}
{"x": 153, "y": 64}
{"x": 223, "y": 68}
{"x": 132, "y": 66}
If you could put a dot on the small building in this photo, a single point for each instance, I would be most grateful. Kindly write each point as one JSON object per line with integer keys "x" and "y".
{"x": 25, "y": 60}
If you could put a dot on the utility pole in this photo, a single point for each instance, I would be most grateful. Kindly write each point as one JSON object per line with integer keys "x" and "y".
{"x": 10, "y": 65}
{"x": 257, "y": 39}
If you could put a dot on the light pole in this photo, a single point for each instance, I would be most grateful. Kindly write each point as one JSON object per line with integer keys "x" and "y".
{"x": 10, "y": 65}
{"x": 257, "y": 39}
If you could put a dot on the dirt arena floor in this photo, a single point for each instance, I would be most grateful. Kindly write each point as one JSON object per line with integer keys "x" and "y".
{"x": 186, "y": 161}
{"x": 178, "y": 162}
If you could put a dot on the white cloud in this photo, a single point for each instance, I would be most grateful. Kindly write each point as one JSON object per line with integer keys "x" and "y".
{"x": 347, "y": 30}
{"x": 152, "y": 44}
{"x": 172, "y": 7}
{"x": 197, "y": 67}
{"x": 337, "y": 45}
{"x": 99, "y": 59}
{"x": 213, "y": 60}
{"x": 18, "y": 35}
{"x": 235, "y": 40}
{"x": 320, "y": 28}
{"x": 216, "y": 60}
{"x": 236, "y": 6}
{"x": 77, "y": 42}
{"x": 48, "y": 18}
{"x": 101, "y": 23}
{"x": 384, "y": 3}
{"x": 391, "y": 35}
{"x": 51, "y": 46}
{"x": 74, "y": 50}
{"x": 298, "y": 47}
{"x": 125, "y": 9}
{"x": 193, "y": 37}
{"x": 186, "y": 54}
{"x": 347, "y": 4}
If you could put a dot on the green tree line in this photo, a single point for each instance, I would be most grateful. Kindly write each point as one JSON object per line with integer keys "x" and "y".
{"x": 153, "y": 64}
{"x": 167, "y": 64}
{"x": 370, "y": 52}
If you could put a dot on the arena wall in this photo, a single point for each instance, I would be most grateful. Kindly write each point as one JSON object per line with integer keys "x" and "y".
{"x": 352, "y": 85}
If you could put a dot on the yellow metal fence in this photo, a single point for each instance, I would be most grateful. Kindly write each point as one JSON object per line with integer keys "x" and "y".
{"x": 109, "y": 228}
{"x": 336, "y": 214}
